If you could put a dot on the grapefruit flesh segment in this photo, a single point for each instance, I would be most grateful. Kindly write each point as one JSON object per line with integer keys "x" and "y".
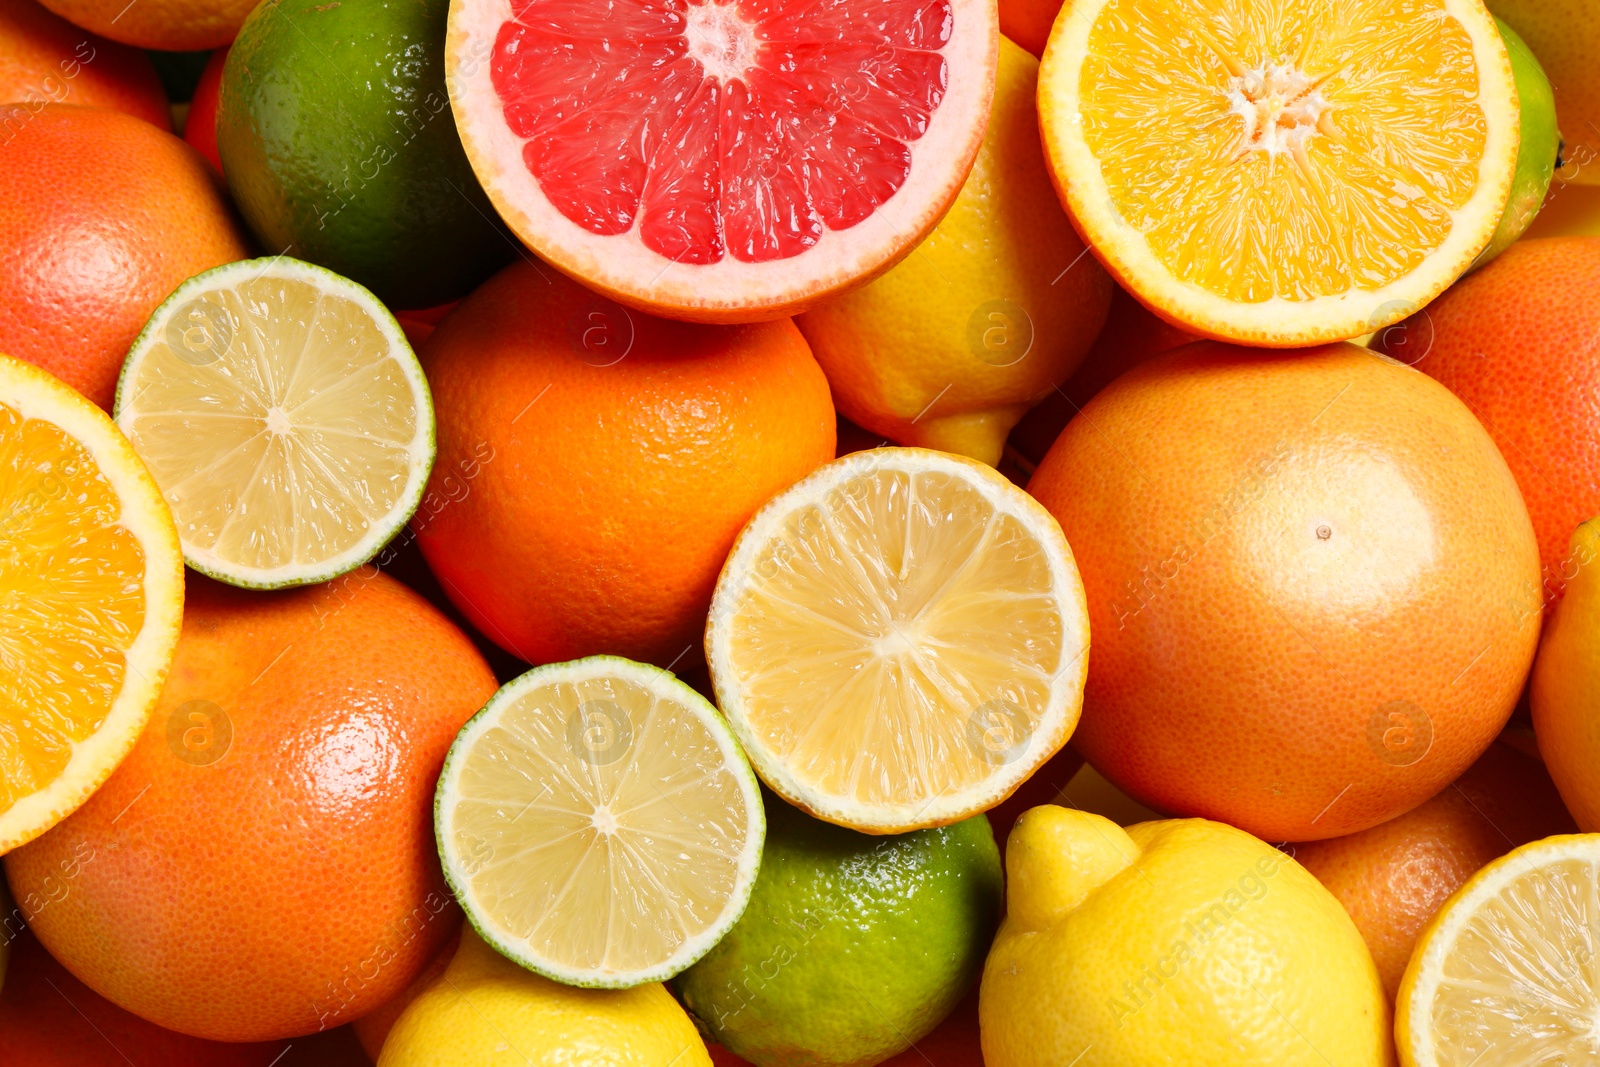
{"x": 699, "y": 134}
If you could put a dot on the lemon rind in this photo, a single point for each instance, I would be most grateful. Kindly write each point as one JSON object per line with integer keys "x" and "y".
{"x": 1066, "y": 689}
{"x": 664, "y": 685}
{"x": 37, "y": 395}
{"x": 423, "y": 447}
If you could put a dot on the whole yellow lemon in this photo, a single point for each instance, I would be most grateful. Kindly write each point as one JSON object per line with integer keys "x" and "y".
{"x": 988, "y": 315}
{"x": 1180, "y": 941}
{"x": 485, "y": 1011}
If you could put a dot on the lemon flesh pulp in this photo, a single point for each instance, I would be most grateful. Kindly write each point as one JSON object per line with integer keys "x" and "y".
{"x": 898, "y": 641}
{"x": 1521, "y": 982}
{"x": 73, "y": 596}
{"x": 1273, "y": 148}
{"x": 282, "y": 422}
{"x": 601, "y": 829}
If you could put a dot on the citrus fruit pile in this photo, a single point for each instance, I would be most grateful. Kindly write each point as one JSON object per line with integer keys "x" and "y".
{"x": 800, "y": 533}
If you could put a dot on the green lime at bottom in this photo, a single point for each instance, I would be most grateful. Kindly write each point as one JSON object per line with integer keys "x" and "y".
{"x": 853, "y": 946}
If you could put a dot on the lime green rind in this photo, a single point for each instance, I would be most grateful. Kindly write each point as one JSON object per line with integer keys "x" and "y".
{"x": 1536, "y": 158}
{"x": 854, "y": 946}
{"x": 382, "y": 533}
{"x": 738, "y": 764}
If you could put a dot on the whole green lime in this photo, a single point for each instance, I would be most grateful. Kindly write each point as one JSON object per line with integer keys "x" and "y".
{"x": 339, "y": 146}
{"x": 852, "y": 946}
{"x": 1541, "y": 144}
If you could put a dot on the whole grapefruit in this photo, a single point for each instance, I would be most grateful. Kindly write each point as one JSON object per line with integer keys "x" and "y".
{"x": 104, "y": 215}
{"x": 1308, "y": 577}
{"x": 595, "y": 463}
{"x": 46, "y": 59}
{"x": 1516, "y": 342}
{"x": 262, "y": 865}
{"x": 1392, "y": 877}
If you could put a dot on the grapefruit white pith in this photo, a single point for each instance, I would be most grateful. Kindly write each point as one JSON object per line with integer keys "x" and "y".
{"x": 722, "y": 161}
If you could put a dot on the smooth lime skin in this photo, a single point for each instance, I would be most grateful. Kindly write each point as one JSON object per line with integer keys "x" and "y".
{"x": 340, "y": 148}
{"x": 853, "y": 946}
{"x": 1541, "y": 144}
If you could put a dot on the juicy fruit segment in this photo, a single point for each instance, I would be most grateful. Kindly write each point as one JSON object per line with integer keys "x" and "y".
{"x": 899, "y": 640}
{"x": 92, "y": 590}
{"x": 1288, "y": 172}
{"x": 712, "y": 125}
{"x": 1496, "y": 977}
{"x": 285, "y": 417}
{"x": 721, "y": 161}
{"x": 599, "y": 824}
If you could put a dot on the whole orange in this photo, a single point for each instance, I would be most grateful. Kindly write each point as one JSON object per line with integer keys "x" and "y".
{"x": 1308, "y": 578}
{"x": 1392, "y": 877}
{"x": 46, "y": 59}
{"x": 200, "y": 125}
{"x": 595, "y": 463}
{"x": 1516, "y": 341}
{"x": 104, "y": 215}
{"x": 166, "y": 25}
{"x": 263, "y": 864}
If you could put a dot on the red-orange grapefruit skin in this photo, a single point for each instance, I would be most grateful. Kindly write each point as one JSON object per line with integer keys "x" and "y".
{"x": 292, "y": 884}
{"x": 1519, "y": 343}
{"x": 103, "y": 217}
{"x": 1313, "y": 586}
{"x": 46, "y": 59}
{"x": 200, "y": 127}
{"x": 595, "y": 463}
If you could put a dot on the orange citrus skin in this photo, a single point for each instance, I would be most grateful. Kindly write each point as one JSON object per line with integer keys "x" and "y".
{"x": 46, "y": 59}
{"x": 1028, "y": 22}
{"x": 595, "y": 464}
{"x": 167, "y": 25}
{"x": 1392, "y": 877}
{"x": 106, "y": 215}
{"x": 1515, "y": 341}
{"x": 293, "y": 884}
{"x": 1298, "y": 567}
{"x": 200, "y": 127}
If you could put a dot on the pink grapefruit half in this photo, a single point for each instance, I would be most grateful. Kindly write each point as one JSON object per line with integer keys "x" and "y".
{"x": 722, "y": 161}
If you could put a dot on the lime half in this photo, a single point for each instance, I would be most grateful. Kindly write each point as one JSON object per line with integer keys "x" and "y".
{"x": 599, "y": 823}
{"x": 285, "y": 418}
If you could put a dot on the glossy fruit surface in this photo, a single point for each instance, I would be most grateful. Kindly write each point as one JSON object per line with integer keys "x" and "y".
{"x": 200, "y": 125}
{"x": 485, "y": 1011}
{"x": 92, "y": 584}
{"x": 1181, "y": 941}
{"x": 299, "y": 733}
{"x": 1281, "y": 174}
{"x": 860, "y": 945}
{"x": 1537, "y": 152}
{"x": 110, "y": 215}
{"x": 997, "y": 307}
{"x": 1392, "y": 877}
{"x": 595, "y": 463}
{"x": 725, "y": 162}
{"x": 1312, "y": 585}
{"x": 335, "y": 133}
{"x": 1513, "y": 341}
{"x": 167, "y": 25}
{"x": 46, "y": 59}
{"x": 1566, "y": 682}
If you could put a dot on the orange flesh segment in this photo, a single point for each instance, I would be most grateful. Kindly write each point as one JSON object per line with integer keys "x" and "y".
{"x": 72, "y": 594}
{"x": 1267, "y": 149}
{"x": 745, "y": 128}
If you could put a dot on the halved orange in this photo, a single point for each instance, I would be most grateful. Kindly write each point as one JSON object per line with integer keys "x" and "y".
{"x": 91, "y": 599}
{"x": 722, "y": 160}
{"x": 1277, "y": 172}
